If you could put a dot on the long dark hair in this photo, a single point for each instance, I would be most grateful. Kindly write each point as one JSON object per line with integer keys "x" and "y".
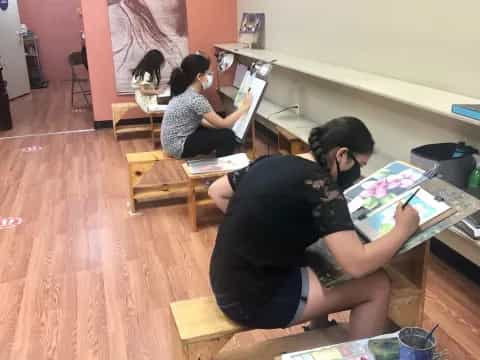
{"x": 152, "y": 63}
{"x": 182, "y": 77}
{"x": 346, "y": 131}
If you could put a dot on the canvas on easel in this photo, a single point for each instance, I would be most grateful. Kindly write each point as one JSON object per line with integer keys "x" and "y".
{"x": 256, "y": 87}
{"x": 240, "y": 72}
{"x": 382, "y": 220}
{"x": 383, "y": 186}
{"x": 245, "y": 85}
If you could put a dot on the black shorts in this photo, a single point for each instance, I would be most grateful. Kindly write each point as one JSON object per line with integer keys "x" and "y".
{"x": 284, "y": 309}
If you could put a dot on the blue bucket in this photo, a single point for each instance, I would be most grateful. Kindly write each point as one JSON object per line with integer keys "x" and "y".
{"x": 413, "y": 346}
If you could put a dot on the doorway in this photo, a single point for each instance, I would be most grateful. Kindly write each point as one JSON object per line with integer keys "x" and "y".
{"x": 53, "y": 94}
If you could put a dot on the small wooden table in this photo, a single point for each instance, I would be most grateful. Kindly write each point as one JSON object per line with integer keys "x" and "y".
{"x": 198, "y": 183}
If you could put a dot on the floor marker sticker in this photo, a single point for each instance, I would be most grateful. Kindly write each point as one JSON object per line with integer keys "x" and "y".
{"x": 33, "y": 148}
{"x": 9, "y": 222}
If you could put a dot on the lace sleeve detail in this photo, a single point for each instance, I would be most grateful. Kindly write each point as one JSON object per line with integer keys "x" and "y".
{"x": 329, "y": 207}
{"x": 235, "y": 177}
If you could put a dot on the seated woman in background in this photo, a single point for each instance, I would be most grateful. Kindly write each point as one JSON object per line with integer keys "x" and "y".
{"x": 146, "y": 81}
{"x": 190, "y": 126}
{"x": 280, "y": 205}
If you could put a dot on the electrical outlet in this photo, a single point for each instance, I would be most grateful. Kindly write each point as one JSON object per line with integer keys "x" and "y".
{"x": 297, "y": 109}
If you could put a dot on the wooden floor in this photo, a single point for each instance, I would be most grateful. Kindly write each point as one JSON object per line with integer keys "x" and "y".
{"x": 49, "y": 110}
{"x": 81, "y": 279}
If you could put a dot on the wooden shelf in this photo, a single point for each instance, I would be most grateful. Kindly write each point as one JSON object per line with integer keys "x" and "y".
{"x": 128, "y": 129}
{"x": 206, "y": 202}
{"x": 289, "y": 119}
{"x": 297, "y": 125}
{"x": 423, "y": 97}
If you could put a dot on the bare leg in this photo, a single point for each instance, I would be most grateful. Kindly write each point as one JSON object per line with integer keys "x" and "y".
{"x": 221, "y": 192}
{"x": 367, "y": 297}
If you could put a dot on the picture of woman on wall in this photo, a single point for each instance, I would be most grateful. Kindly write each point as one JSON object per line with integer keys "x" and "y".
{"x": 138, "y": 26}
{"x": 251, "y": 23}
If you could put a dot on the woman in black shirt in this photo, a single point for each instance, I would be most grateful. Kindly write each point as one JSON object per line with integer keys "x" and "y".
{"x": 279, "y": 206}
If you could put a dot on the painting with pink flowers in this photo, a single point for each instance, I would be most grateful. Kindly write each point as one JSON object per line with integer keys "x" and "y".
{"x": 384, "y": 186}
{"x": 382, "y": 220}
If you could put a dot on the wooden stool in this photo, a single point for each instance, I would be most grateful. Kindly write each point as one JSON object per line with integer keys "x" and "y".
{"x": 202, "y": 328}
{"x": 118, "y": 112}
{"x": 203, "y": 331}
{"x": 198, "y": 183}
{"x": 290, "y": 144}
{"x": 140, "y": 166}
{"x": 156, "y": 130}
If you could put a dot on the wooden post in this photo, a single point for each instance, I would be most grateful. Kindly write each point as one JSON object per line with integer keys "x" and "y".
{"x": 192, "y": 205}
{"x": 409, "y": 274}
{"x": 152, "y": 129}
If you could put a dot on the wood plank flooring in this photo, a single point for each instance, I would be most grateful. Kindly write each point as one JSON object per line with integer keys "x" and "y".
{"x": 48, "y": 110}
{"x": 81, "y": 279}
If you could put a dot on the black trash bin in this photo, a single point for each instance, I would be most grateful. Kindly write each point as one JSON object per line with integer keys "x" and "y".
{"x": 454, "y": 161}
{"x": 5, "y": 115}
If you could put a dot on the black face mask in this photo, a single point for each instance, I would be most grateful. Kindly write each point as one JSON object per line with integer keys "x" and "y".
{"x": 347, "y": 178}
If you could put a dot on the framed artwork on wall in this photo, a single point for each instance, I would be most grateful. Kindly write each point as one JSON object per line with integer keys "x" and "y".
{"x": 137, "y": 26}
{"x": 252, "y": 30}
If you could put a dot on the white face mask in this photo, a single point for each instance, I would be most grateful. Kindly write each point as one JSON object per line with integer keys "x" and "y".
{"x": 208, "y": 83}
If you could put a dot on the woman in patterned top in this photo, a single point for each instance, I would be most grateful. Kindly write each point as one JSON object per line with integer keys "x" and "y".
{"x": 190, "y": 126}
{"x": 279, "y": 206}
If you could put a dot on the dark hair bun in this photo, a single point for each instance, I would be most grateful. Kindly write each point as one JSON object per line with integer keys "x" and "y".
{"x": 346, "y": 131}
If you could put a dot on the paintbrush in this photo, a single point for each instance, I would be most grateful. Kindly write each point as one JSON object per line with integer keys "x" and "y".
{"x": 410, "y": 198}
{"x": 430, "y": 334}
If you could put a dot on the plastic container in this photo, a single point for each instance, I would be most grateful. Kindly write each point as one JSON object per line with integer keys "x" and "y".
{"x": 413, "y": 345}
{"x": 474, "y": 179}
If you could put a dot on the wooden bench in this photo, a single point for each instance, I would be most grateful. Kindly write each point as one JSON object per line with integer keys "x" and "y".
{"x": 166, "y": 181}
{"x": 118, "y": 112}
{"x": 289, "y": 144}
{"x": 203, "y": 330}
{"x": 154, "y": 175}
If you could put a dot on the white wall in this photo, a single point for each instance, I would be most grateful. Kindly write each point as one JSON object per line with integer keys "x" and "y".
{"x": 428, "y": 42}
{"x": 431, "y": 42}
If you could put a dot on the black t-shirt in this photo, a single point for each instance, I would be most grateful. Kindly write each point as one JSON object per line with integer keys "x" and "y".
{"x": 281, "y": 205}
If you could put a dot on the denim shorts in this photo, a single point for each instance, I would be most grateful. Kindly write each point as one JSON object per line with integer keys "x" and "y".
{"x": 284, "y": 309}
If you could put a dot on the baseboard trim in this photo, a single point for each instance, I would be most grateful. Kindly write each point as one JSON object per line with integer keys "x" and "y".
{"x": 103, "y": 124}
{"x": 108, "y": 124}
